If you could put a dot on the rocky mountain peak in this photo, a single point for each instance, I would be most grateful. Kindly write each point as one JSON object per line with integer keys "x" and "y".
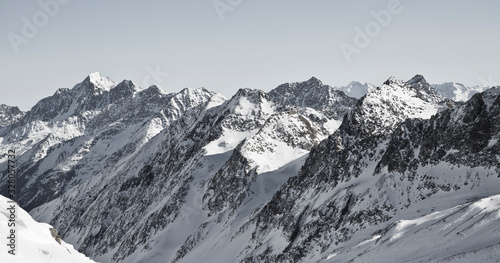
{"x": 99, "y": 81}
{"x": 140, "y": 175}
{"x": 425, "y": 90}
{"x": 393, "y": 81}
{"x": 9, "y": 115}
{"x": 189, "y": 97}
{"x": 418, "y": 79}
{"x": 314, "y": 82}
{"x": 155, "y": 89}
{"x": 124, "y": 89}
{"x": 356, "y": 89}
{"x": 313, "y": 94}
{"x": 251, "y": 93}
{"x": 381, "y": 110}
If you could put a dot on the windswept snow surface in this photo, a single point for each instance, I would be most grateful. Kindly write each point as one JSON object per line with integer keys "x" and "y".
{"x": 35, "y": 243}
{"x": 464, "y": 233}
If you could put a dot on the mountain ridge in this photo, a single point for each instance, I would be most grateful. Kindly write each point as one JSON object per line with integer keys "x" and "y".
{"x": 298, "y": 173}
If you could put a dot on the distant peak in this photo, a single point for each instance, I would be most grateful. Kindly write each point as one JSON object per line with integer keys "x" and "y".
{"x": 314, "y": 80}
{"x": 127, "y": 84}
{"x": 95, "y": 75}
{"x": 354, "y": 82}
{"x": 392, "y": 80}
{"x": 100, "y": 81}
{"x": 247, "y": 92}
{"x": 154, "y": 88}
{"x": 253, "y": 94}
{"x": 192, "y": 91}
{"x": 418, "y": 79}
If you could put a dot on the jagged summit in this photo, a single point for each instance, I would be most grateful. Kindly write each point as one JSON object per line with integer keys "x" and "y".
{"x": 419, "y": 87}
{"x": 418, "y": 82}
{"x": 367, "y": 191}
{"x": 393, "y": 81}
{"x": 99, "y": 81}
{"x": 303, "y": 173}
{"x": 188, "y": 97}
{"x": 380, "y": 111}
{"x": 314, "y": 94}
{"x": 424, "y": 89}
{"x": 417, "y": 79}
{"x": 156, "y": 89}
{"x": 124, "y": 89}
{"x": 314, "y": 81}
{"x": 9, "y": 114}
{"x": 356, "y": 89}
{"x": 250, "y": 92}
{"x": 94, "y": 76}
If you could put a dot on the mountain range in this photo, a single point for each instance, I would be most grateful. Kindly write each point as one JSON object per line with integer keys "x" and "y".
{"x": 451, "y": 90}
{"x": 406, "y": 171}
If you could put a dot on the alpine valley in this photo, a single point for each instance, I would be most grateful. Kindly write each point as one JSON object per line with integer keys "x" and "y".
{"x": 303, "y": 173}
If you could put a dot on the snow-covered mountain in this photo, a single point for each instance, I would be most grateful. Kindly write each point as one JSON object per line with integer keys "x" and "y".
{"x": 35, "y": 242}
{"x": 457, "y": 91}
{"x": 102, "y": 157}
{"x": 357, "y": 90}
{"x": 374, "y": 171}
{"x": 303, "y": 173}
{"x": 9, "y": 115}
{"x": 451, "y": 90}
{"x": 314, "y": 94}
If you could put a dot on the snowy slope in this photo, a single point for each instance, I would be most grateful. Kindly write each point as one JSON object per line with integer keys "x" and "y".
{"x": 35, "y": 243}
{"x": 145, "y": 164}
{"x": 369, "y": 173}
{"x": 298, "y": 174}
{"x": 468, "y": 232}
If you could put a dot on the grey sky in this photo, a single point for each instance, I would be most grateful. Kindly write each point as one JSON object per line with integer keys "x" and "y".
{"x": 258, "y": 44}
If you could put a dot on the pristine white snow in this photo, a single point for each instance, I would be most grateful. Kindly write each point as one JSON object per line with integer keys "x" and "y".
{"x": 101, "y": 82}
{"x": 35, "y": 243}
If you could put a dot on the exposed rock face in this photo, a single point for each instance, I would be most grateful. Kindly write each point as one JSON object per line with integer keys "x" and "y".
{"x": 314, "y": 94}
{"x": 54, "y": 234}
{"x": 370, "y": 169}
{"x": 9, "y": 115}
{"x": 303, "y": 173}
